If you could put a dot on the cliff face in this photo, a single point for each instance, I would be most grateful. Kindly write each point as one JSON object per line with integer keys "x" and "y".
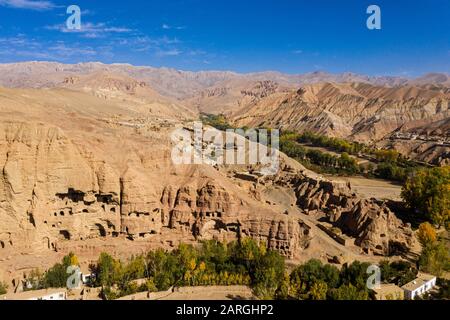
{"x": 50, "y": 189}
{"x": 84, "y": 174}
{"x": 54, "y": 191}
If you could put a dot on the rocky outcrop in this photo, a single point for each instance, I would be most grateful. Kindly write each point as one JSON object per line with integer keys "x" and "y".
{"x": 376, "y": 229}
{"x": 210, "y": 212}
{"x": 261, "y": 89}
{"x": 374, "y": 226}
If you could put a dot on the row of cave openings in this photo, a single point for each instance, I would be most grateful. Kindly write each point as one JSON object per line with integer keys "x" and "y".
{"x": 98, "y": 230}
{"x": 107, "y": 201}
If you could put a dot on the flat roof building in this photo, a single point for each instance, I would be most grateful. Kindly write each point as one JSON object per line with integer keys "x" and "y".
{"x": 422, "y": 284}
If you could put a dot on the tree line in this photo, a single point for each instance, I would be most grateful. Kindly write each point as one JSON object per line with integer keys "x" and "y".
{"x": 3, "y": 288}
{"x": 244, "y": 262}
{"x": 391, "y": 165}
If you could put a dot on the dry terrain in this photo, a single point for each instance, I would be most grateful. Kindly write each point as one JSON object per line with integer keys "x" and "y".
{"x": 85, "y": 156}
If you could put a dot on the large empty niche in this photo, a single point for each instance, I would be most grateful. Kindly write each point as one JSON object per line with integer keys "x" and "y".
{"x": 99, "y": 230}
{"x": 65, "y": 234}
{"x": 104, "y": 198}
{"x": 72, "y": 194}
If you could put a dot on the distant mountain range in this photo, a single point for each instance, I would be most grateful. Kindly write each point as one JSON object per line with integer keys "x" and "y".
{"x": 184, "y": 84}
{"x": 348, "y": 105}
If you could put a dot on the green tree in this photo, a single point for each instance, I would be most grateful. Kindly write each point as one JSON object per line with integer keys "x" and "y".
{"x": 435, "y": 258}
{"x": 398, "y": 272}
{"x": 108, "y": 270}
{"x": 3, "y": 288}
{"x": 269, "y": 274}
{"x": 427, "y": 191}
{"x": 56, "y": 277}
{"x": 165, "y": 269}
{"x": 348, "y": 292}
{"x": 319, "y": 291}
{"x": 355, "y": 274}
{"x": 305, "y": 276}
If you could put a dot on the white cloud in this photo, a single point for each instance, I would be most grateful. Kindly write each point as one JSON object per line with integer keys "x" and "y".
{"x": 90, "y": 30}
{"x": 169, "y": 53}
{"x": 30, "y": 48}
{"x": 28, "y": 4}
{"x": 146, "y": 44}
{"x": 197, "y": 52}
{"x": 63, "y": 50}
{"x": 166, "y": 26}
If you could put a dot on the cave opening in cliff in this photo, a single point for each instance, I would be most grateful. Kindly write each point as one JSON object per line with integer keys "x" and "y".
{"x": 396, "y": 248}
{"x": 100, "y": 229}
{"x": 65, "y": 234}
{"x": 72, "y": 194}
{"x": 104, "y": 198}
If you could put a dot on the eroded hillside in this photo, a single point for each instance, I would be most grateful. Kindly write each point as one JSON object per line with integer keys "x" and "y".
{"x": 86, "y": 167}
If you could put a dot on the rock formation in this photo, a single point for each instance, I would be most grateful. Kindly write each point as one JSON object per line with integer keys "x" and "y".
{"x": 87, "y": 167}
{"x": 374, "y": 226}
{"x": 54, "y": 191}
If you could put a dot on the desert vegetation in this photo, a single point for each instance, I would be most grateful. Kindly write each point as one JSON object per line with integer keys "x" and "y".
{"x": 389, "y": 164}
{"x": 3, "y": 288}
{"x": 427, "y": 194}
{"x": 239, "y": 263}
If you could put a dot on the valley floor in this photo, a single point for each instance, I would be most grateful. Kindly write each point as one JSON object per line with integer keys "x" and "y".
{"x": 372, "y": 188}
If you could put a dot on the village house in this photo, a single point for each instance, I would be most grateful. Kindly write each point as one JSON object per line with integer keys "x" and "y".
{"x": 422, "y": 284}
{"x": 50, "y": 294}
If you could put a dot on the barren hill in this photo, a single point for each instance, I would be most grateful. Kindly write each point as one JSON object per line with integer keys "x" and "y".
{"x": 86, "y": 162}
{"x": 185, "y": 84}
{"x": 87, "y": 174}
{"x": 357, "y": 111}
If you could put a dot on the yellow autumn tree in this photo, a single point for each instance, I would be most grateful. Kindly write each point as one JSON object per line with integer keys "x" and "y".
{"x": 319, "y": 291}
{"x": 426, "y": 234}
{"x": 192, "y": 264}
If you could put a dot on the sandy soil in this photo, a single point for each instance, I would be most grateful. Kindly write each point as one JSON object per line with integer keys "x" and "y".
{"x": 198, "y": 293}
{"x": 372, "y": 188}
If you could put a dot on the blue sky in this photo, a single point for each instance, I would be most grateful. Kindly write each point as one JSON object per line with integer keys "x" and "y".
{"x": 295, "y": 36}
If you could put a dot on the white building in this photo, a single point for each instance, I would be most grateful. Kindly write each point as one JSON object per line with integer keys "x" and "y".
{"x": 422, "y": 284}
{"x": 50, "y": 294}
{"x": 87, "y": 278}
